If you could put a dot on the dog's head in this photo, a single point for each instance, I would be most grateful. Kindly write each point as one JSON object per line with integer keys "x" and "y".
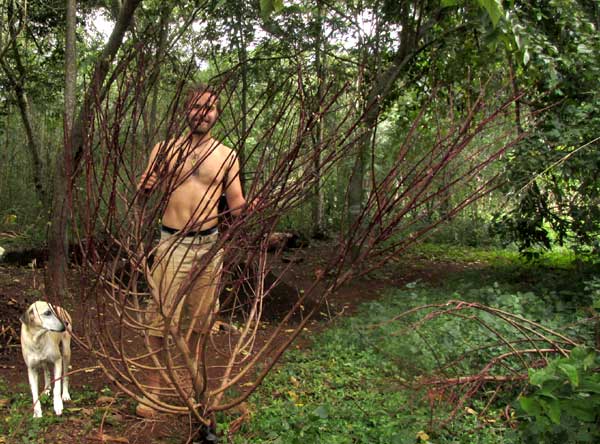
{"x": 42, "y": 315}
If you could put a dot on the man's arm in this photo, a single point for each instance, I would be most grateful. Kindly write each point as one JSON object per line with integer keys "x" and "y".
{"x": 148, "y": 178}
{"x": 145, "y": 185}
{"x": 233, "y": 189}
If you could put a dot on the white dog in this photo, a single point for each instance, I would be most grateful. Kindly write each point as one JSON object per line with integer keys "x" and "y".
{"x": 45, "y": 342}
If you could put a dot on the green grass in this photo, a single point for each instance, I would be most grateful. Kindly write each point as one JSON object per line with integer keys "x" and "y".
{"x": 558, "y": 257}
{"x": 17, "y": 424}
{"x": 352, "y": 384}
{"x": 350, "y": 387}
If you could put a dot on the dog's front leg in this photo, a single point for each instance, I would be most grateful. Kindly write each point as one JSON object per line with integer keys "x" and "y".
{"x": 32, "y": 374}
{"x": 56, "y": 394}
{"x": 66, "y": 359}
{"x": 47, "y": 380}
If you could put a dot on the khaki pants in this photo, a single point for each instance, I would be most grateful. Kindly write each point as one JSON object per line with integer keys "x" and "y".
{"x": 184, "y": 284}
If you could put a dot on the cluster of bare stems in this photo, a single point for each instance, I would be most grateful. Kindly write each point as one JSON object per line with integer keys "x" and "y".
{"x": 513, "y": 344}
{"x": 217, "y": 371}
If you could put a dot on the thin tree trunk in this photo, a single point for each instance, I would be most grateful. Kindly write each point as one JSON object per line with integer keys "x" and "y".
{"x": 378, "y": 89}
{"x": 356, "y": 189}
{"x": 150, "y": 128}
{"x": 17, "y": 81}
{"x": 71, "y": 154}
{"x": 241, "y": 151}
{"x": 33, "y": 143}
{"x": 5, "y": 188}
{"x": 515, "y": 86}
{"x": 242, "y": 51}
{"x": 318, "y": 226}
{"x": 58, "y": 246}
{"x": 97, "y": 90}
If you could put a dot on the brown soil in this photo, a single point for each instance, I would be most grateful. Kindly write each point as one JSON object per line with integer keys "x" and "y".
{"x": 114, "y": 420}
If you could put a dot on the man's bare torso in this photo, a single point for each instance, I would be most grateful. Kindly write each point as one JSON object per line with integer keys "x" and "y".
{"x": 191, "y": 170}
{"x": 195, "y": 174}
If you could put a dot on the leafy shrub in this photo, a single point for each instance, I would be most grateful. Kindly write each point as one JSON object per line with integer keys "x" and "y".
{"x": 356, "y": 383}
{"x": 564, "y": 405}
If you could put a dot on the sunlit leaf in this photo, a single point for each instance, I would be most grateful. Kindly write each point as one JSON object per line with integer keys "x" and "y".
{"x": 422, "y": 436}
{"x": 552, "y": 409}
{"x": 571, "y": 372}
{"x": 530, "y": 405}
{"x": 494, "y": 9}
{"x": 321, "y": 411}
{"x": 539, "y": 377}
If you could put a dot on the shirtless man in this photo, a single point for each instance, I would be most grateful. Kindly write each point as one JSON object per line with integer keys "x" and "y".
{"x": 194, "y": 169}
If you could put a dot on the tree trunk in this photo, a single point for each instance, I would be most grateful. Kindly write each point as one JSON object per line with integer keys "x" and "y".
{"x": 515, "y": 86}
{"x": 318, "y": 226}
{"x": 73, "y": 149}
{"x": 33, "y": 143}
{"x": 242, "y": 52}
{"x": 356, "y": 189}
{"x": 17, "y": 82}
{"x": 97, "y": 90}
{"x": 381, "y": 82}
{"x": 58, "y": 246}
{"x": 154, "y": 84}
{"x": 241, "y": 151}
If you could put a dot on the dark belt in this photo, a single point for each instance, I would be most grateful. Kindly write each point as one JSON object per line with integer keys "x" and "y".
{"x": 206, "y": 232}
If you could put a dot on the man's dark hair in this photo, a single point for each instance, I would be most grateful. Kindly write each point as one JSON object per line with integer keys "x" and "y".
{"x": 199, "y": 89}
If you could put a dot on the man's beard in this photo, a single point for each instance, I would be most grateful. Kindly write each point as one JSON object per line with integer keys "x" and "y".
{"x": 196, "y": 127}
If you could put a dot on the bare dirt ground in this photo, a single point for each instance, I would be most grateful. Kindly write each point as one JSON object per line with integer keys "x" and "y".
{"x": 99, "y": 412}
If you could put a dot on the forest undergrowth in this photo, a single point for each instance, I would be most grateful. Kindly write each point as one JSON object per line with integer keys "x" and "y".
{"x": 499, "y": 350}
{"x": 382, "y": 377}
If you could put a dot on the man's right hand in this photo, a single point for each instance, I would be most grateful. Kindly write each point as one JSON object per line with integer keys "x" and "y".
{"x": 147, "y": 183}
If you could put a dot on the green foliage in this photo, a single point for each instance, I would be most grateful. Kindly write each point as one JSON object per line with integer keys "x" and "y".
{"x": 496, "y": 260}
{"x": 341, "y": 392}
{"x": 564, "y": 402}
{"x": 592, "y": 287}
{"x": 267, "y": 7}
{"x": 17, "y": 422}
{"x": 493, "y": 8}
{"x": 551, "y": 175}
{"x": 354, "y": 383}
{"x": 350, "y": 387}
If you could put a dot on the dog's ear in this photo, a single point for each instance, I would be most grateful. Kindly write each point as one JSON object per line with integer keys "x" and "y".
{"x": 27, "y": 317}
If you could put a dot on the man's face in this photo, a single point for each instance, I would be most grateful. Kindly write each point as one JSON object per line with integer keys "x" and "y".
{"x": 202, "y": 113}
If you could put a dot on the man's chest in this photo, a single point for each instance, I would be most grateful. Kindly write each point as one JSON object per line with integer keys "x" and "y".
{"x": 204, "y": 171}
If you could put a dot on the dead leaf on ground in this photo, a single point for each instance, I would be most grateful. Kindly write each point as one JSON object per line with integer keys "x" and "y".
{"x": 103, "y": 437}
{"x": 422, "y": 436}
{"x": 103, "y": 400}
{"x": 113, "y": 419}
{"x": 241, "y": 409}
{"x": 244, "y": 411}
